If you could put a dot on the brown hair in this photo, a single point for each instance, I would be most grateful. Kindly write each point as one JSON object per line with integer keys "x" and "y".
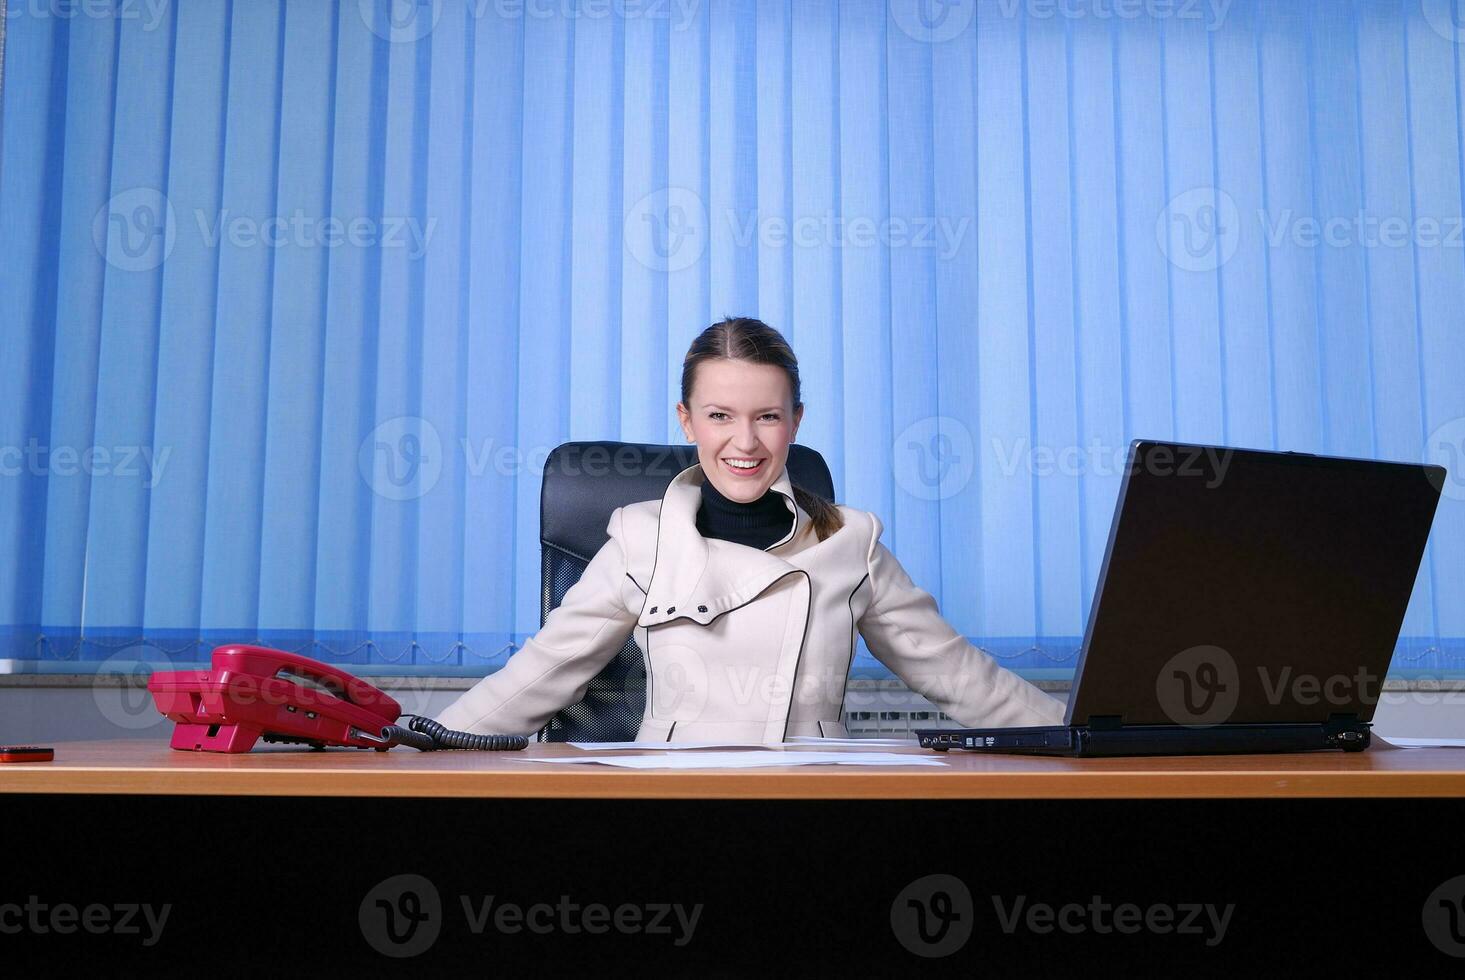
{"x": 746, "y": 339}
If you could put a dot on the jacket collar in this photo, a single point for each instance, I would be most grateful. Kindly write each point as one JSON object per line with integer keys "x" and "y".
{"x": 700, "y": 578}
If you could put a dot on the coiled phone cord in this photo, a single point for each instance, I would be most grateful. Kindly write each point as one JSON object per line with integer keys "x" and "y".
{"x": 429, "y": 735}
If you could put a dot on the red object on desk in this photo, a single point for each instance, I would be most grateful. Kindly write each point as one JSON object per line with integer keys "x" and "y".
{"x": 251, "y": 692}
{"x": 26, "y": 753}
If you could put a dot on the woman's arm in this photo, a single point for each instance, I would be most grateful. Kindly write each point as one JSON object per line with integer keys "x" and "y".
{"x": 907, "y": 633}
{"x": 552, "y": 669}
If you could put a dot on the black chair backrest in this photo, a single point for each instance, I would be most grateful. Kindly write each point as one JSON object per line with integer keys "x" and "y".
{"x": 584, "y": 482}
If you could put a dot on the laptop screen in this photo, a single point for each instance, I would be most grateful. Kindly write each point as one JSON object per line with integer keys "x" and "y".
{"x": 1245, "y": 586}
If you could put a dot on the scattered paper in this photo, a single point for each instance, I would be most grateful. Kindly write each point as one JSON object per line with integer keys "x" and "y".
{"x": 821, "y": 740}
{"x": 650, "y": 746}
{"x": 749, "y": 760}
{"x": 800, "y": 740}
{"x": 1424, "y": 743}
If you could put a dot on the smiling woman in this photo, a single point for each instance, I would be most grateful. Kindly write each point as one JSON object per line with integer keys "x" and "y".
{"x": 755, "y": 589}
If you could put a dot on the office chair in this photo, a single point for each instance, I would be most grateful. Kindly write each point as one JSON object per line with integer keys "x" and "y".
{"x": 583, "y": 483}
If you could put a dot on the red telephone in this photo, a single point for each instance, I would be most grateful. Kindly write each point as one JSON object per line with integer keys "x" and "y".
{"x": 254, "y": 692}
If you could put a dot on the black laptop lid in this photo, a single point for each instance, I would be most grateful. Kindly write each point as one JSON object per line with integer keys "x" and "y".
{"x": 1247, "y": 586}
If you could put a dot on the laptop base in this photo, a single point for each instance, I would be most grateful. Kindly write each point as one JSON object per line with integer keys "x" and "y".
{"x": 1126, "y": 740}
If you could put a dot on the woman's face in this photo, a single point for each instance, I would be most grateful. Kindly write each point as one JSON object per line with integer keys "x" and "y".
{"x": 740, "y": 411}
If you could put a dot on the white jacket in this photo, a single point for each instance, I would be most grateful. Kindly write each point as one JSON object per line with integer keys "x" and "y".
{"x": 740, "y": 644}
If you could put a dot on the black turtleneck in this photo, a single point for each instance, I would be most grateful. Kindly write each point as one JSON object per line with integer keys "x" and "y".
{"x": 759, "y": 524}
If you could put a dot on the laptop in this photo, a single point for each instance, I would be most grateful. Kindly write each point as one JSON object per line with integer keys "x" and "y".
{"x": 1248, "y": 601}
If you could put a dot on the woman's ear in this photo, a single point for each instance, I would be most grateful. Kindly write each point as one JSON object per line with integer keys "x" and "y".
{"x": 685, "y": 417}
{"x": 798, "y": 417}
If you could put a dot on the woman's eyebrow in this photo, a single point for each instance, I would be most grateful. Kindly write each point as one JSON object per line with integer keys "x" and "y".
{"x": 769, "y": 408}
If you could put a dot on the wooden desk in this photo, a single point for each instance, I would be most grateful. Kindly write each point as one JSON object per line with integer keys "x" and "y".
{"x": 148, "y": 767}
{"x": 281, "y": 851}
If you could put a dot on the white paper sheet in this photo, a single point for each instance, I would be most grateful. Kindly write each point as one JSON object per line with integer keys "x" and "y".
{"x": 650, "y": 746}
{"x": 799, "y": 740}
{"x": 1424, "y": 743}
{"x": 749, "y": 760}
{"x": 871, "y": 742}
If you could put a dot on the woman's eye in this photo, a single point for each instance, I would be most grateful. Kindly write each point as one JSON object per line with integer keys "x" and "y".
{"x": 714, "y": 415}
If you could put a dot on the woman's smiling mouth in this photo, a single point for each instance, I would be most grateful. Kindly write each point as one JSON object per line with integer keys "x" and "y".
{"x": 744, "y": 469}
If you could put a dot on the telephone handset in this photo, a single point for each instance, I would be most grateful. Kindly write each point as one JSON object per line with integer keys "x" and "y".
{"x": 253, "y": 692}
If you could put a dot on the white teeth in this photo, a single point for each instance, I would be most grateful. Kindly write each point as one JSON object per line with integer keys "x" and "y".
{"x": 743, "y": 466}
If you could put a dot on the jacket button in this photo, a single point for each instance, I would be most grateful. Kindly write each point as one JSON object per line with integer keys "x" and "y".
{"x": 671, "y": 609}
{"x": 653, "y": 609}
{"x": 701, "y": 608}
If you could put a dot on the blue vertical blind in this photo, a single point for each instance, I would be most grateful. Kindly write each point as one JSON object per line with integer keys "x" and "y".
{"x": 299, "y": 295}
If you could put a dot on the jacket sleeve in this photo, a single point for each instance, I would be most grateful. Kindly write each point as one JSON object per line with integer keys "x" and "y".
{"x": 906, "y": 632}
{"x": 553, "y": 668}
